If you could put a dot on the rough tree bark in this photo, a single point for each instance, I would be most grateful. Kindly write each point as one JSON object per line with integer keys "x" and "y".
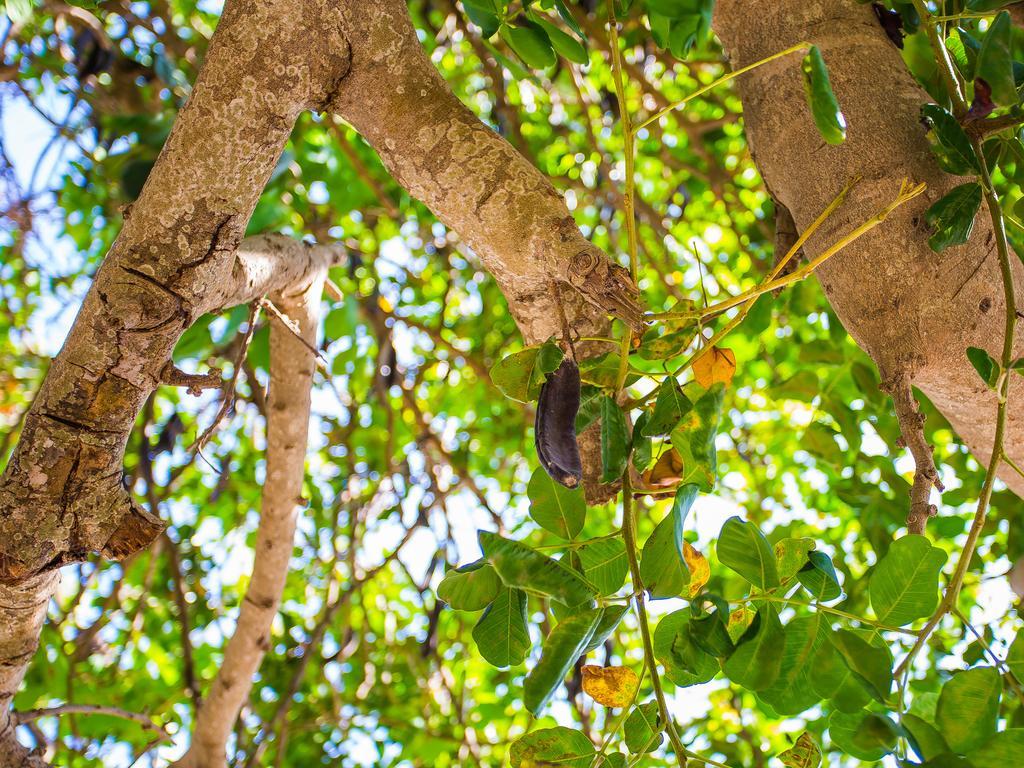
{"x": 914, "y": 311}
{"x": 61, "y": 495}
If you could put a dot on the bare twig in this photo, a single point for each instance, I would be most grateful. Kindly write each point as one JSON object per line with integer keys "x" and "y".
{"x": 926, "y": 475}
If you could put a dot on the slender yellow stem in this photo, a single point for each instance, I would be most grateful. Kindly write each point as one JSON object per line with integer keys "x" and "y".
{"x": 723, "y": 79}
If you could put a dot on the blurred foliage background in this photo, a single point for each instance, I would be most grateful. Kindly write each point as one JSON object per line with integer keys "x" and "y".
{"x": 413, "y": 449}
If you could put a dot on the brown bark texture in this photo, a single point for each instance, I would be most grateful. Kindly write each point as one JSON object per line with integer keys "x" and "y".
{"x": 292, "y": 363}
{"x": 178, "y": 256}
{"x": 913, "y": 310}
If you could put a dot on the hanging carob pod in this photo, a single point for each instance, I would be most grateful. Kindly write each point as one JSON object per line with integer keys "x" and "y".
{"x": 555, "y": 427}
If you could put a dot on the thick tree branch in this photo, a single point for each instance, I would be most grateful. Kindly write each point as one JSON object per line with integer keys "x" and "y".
{"x": 291, "y": 378}
{"x": 474, "y": 180}
{"x": 61, "y": 496}
{"x": 914, "y": 311}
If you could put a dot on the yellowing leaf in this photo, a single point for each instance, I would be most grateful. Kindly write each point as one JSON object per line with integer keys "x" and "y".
{"x": 700, "y": 571}
{"x": 804, "y": 754}
{"x": 611, "y": 686}
{"x": 666, "y": 472}
{"x": 739, "y": 620}
{"x": 717, "y": 366}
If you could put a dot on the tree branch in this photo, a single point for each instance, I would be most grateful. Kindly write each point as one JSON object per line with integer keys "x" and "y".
{"x": 292, "y": 362}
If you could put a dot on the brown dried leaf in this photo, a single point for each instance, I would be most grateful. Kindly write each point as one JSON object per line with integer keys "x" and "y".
{"x": 717, "y": 366}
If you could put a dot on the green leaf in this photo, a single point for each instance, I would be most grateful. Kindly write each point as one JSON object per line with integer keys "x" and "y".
{"x": 605, "y": 564}
{"x": 866, "y": 736}
{"x": 832, "y": 679}
{"x": 643, "y": 447}
{"x": 820, "y": 98}
{"x": 670, "y": 406}
{"x": 819, "y": 577}
{"x": 610, "y": 618}
{"x": 995, "y": 61}
{"x": 791, "y": 693}
{"x": 614, "y": 441}
{"x": 520, "y": 374}
{"x": 904, "y": 585}
{"x": 873, "y": 664}
{"x": 1015, "y": 656}
{"x": 643, "y": 728}
{"x": 554, "y": 507}
{"x": 520, "y": 566}
{"x": 791, "y": 555}
{"x": 563, "y": 646}
{"x": 552, "y": 746}
{"x": 924, "y": 737}
{"x": 952, "y": 216}
{"x": 684, "y": 662}
{"x": 743, "y": 547}
{"x": 950, "y": 144}
{"x": 711, "y": 634}
{"x": 968, "y": 708}
{"x": 694, "y": 436}
{"x": 483, "y": 13}
{"x": 501, "y": 635}
{"x": 569, "y": 19}
{"x": 471, "y": 587}
{"x": 1001, "y": 751}
{"x": 566, "y": 45}
{"x": 985, "y": 365}
{"x": 663, "y": 570}
{"x": 530, "y": 44}
{"x": 757, "y": 660}
{"x": 805, "y": 753}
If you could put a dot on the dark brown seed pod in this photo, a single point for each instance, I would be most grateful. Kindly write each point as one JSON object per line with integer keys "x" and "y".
{"x": 555, "y": 428}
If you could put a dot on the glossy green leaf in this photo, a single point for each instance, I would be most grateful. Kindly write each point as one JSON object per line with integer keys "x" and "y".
{"x": 501, "y": 634}
{"x": 663, "y": 570}
{"x": 566, "y": 45}
{"x": 968, "y": 708}
{"x": 552, "y": 746}
{"x": 820, "y": 98}
{"x": 757, "y": 660}
{"x": 818, "y": 576}
{"x": 643, "y": 727}
{"x": 554, "y": 507}
{"x": 483, "y": 13}
{"x": 611, "y": 616}
{"x": 520, "y": 374}
{"x": 605, "y": 564}
{"x": 1015, "y": 656}
{"x": 950, "y": 144}
{"x": 904, "y": 584}
{"x": 520, "y": 566}
{"x": 530, "y": 43}
{"x": 984, "y": 364}
{"x": 569, "y": 19}
{"x": 614, "y": 441}
{"x": 952, "y": 216}
{"x": 563, "y": 646}
{"x": 685, "y": 663}
{"x": 471, "y": 587}
{"x": 995, "y": 61}
{"x": 743, "y": 547}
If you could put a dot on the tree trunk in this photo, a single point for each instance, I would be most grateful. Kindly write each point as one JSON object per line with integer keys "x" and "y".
{"x": 914, "y": 311}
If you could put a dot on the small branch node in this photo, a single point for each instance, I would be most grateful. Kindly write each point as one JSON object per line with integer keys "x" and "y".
{"x": 194, "y": 383}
